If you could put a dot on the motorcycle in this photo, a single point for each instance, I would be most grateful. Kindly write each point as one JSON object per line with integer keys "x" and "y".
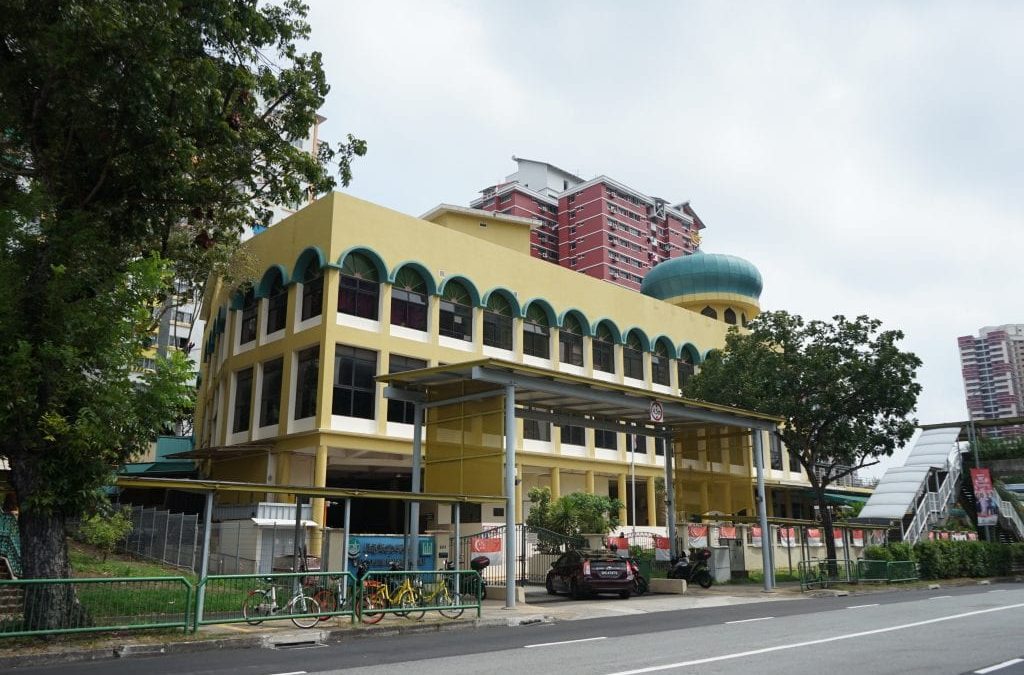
{"x": 696, "y": 572}
{"x": 468, "y": 584}
{"x": 640, "y": 585}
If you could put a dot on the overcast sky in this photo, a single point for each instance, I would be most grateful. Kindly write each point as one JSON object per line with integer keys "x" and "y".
{"x": 868, "y": 158}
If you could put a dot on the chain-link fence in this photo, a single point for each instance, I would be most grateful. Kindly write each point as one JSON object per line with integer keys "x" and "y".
{"x": 171, "y": 538}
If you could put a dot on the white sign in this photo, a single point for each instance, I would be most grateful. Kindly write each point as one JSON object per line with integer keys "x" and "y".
{"x": 657, "y": 411}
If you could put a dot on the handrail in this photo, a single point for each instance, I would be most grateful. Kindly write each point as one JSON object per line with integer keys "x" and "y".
{"x": 1008, "y": 512}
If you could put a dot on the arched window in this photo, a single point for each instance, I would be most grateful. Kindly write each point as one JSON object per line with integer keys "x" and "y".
{"x": 498, "y": 323}
{"x": 570, "y": 342}
{"x": 277, "y": 306}
{"x": 633, "y": 357}
{"x": 456, "y": 319}
{"x": 743, "y": 318}
{"x": 730, "y": 316}
{"x": 659, "y": 364}
{"x": 250, "y": 310}
{"x": 312, "y": 291}
{"x": 604, "y": 350}
{"x": 409, "y": 300}
{"x": 686, "y": 368}
{"x": 709, "y": 312}
{"x": 536, "y": 333}
{"x": 359, "y": 288}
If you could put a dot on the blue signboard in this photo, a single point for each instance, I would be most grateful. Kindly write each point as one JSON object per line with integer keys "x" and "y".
{"x": 381, "y": 549}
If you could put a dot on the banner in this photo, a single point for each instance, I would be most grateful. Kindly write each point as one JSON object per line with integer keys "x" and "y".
{"x": 813, "y": 536}
{"x": 662, "y": 550}
{"x": 620, "y": 545}
{"x": 987, "y": 503}
{"x": 755, "y": 536}
{"x": 972, "y": 536}
{"x": 858, "y": 537}
{"x": 380, "y": 550}
{"x": 698, "y": 535}
{"x": 837, "y": 536}
{"x": 726, "y": 532}
{"x": 876, "y": 537}
{"x": 489, "y": 547}
{"x": 787, "y": 537}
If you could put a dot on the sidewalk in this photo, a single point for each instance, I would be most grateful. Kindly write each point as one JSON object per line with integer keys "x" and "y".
{"x": 538, "y": 608}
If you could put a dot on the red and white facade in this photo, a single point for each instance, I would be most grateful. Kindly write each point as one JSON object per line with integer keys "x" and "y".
{"x": 992, "y": 365}
{"x": 599, "y": 227}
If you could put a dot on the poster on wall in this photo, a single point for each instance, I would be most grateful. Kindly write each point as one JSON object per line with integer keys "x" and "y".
{"x": 379, "y": 550}
{"x": 986, "y": 501}
{"x": 662, "y": 550}
{"x": 620, "y": 545}
{"x": 698, "y": 535}
{"x": 813, "y": 537}
{"x": 858, "y": 537}
{"x": 787, "y": 537}
{"x": 837, "y": 536}
{"x": 488, "y": 547}
{"x": 725, "y": 533}
{"x": 755, "y": 536}
{"x": 876, "y": 537}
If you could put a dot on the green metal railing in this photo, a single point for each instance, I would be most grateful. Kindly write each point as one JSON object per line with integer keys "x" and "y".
{"x": 433, "y": 590}
{"x": 51, "y": 606}
{"x": 824, "y": 573}
{"x": 254, "y": 598}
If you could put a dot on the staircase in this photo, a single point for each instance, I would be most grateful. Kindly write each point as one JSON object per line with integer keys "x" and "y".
{"x": 10, "y": 544}
{"x": 11, "y": 597}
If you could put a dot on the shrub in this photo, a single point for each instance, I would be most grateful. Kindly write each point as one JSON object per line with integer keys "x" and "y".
{"x": 105, "y": 530}
{"x": 878, "y": 553}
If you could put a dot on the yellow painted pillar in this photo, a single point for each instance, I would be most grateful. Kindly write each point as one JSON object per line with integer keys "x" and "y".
{"x": 727, "y": 497}
{"x": 623, "y": 514}
{"x": 520, "y": 476}
{"x": 705, "y": 500}
{"x": 652, "y": 502}
{"x": 556, "y": 483}
{"x": 590, "y": 481}
{"x": 316, "y": 539}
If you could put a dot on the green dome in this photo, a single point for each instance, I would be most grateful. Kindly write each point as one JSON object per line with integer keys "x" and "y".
{"x": 702, "y": 273}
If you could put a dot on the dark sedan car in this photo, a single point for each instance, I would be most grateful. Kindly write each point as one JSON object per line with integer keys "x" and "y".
{"x": 580, "y": 573}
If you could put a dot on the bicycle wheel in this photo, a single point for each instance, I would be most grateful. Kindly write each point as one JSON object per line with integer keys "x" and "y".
{"x": 328, "y": 601}
{"x": 369, "y": 606}
{"x": 446, "y": 598}
{"x": 410, "y": 602}
{"x": 256, "y": 607}
{"x": 303, "y": 604}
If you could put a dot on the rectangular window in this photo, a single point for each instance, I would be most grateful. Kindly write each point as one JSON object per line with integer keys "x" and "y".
{"x": 270, "y": 392}
{"x": 497, "y": 330}
{"x": 573, "y": 435}
{"x": 604, "y": 356}
{"x": 456, "y": 321}
{"x": 312, "y": 297}
{"x": 636, "y": 443}
{"x": 248, "y": 330}
{"x": 307, "y": 372}
{"x": 243, "y": 400}
{"x": 570, "y": 348}
{"x": 633, "y": 363}
{"x": 606, "y": 439}
{"x": 775, "y": 449}
{"x": 277, "y": 309}
{"x": 659, "y": 447}
{"x": 359, "y": 297}
{"x": 535, "y": 430}
{"x": 659, "y": 370}
{"x": 408, "y": 309}
{"x": 403, "y": 412}
{"x": 354, "y": 387}
{"x": 536, "y": 340}
{"x": 183, "y": 317}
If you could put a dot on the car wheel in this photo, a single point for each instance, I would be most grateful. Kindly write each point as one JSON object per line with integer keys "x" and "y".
{"x": 549, "y": 586}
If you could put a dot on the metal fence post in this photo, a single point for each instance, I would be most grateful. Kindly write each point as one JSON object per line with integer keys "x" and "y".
{"x": 181, "y": 531}
{"x": 201, "y": 592}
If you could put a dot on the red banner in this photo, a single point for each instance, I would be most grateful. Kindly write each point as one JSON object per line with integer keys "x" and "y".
{"x": 698, "y": 535}
{"x": 837, "y": 536}
{"x": 662, "y": 550}
{"x": 620, "y": 545}
{"x": 858, "y": 537}
{"x": 986, "y": 501}
{"x": 489, "y": 547}
{"x": 787, "y": 536}
{"x": 755, "y": 536}
{"x": 726, "y": 532}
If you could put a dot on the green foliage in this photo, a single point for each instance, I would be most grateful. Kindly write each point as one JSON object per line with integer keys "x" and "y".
{"x": 106, "y": 529}
{"x": 574, "y": 514}
{"x": 1000, "y": 448}
{"x": 878, "y": 553}
{"x": 137, "y": 141}
{"x": 952, "y": 559}
{"x": 844, "y": 389}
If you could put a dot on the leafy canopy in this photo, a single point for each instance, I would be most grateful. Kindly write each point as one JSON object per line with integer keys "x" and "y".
{"x": 574, "y": 514}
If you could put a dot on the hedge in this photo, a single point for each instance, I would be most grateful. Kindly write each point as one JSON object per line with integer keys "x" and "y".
{"x": 953, "y": 559}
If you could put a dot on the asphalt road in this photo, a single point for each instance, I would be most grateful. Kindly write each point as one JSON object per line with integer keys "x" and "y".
{"x": 955, "y": 630}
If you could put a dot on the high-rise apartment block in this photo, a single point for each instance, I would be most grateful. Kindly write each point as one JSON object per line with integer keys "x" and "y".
{"x": 993, "y": 369}
{"x": 599, "y": 227}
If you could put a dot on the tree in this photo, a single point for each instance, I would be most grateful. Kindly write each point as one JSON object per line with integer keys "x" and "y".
{"x": 844, "y": 388}
{"x": 137, "y": 139}
{"x": 571, "y": 516}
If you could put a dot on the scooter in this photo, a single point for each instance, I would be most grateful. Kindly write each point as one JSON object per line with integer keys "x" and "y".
{"x": 640, "y": 585}
{"x": 695, "y": 572}
{"x": 467, "y": 584}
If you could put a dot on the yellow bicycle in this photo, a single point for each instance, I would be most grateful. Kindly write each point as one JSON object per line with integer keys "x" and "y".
{"x": 388, "y": 594}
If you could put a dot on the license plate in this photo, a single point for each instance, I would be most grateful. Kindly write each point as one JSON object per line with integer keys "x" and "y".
{"x": 609, "y": 573}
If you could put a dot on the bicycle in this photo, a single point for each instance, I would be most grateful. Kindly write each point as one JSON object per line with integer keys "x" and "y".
{"x": 442, "y": 598}
{"x": 261, "y": 604}
{"x": 333, "y": 599}
{"x": 379, "y": 595}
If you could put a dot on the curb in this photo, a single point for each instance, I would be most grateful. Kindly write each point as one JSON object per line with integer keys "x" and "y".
{"x": 261, "y": 640}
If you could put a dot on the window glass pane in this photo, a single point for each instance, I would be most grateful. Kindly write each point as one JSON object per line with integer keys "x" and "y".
{"x": 536, "y": 430}
{"x": 402, "y": 412}
{"x": 270, "y": 393}
{"x": 573, "y": 435}
{"x": 312, "y": 293}
{"x": 250, "y": 310}
{"x": 243, "y": 400}
{"x": 277, "y": 307}
{"x": 308, "y": 368}
{"x": 354, "y": 387}
{"x": 606, "y": 439}
{"x": 497, "y": 330}
{"x": 456, "y": 321}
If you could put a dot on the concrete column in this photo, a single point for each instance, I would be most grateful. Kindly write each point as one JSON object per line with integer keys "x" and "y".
{"x": 519, "y": 493}
{"x": 589, "y": 475}
{"x": 623, "y": 513}
{"x": 766, "y": 541}
{"x": 727, "y": 497}
{"x": 670, "y": 494}
{"x": 510, "y": 494}
{"x": 556, "y": 483}
{"x": 325, "y": 378}
{"x": 317, "y": 505}
{"x": 652, "y": 502}
{"x": 705, "y": 498}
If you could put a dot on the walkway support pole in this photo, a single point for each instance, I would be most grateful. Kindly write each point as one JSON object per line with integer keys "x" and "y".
{"x": 412, "y": 552}
{"x": 204, "y": 564}
{"x": 762, "y": 514}
{"x": 457, "y": 518}
{"x": 510, "y": 496}
{"x": 670, "y": 495}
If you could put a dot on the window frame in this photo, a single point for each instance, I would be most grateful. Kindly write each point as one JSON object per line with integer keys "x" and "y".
{"x": 307, "y": 367}
{"x": 265, "y": 400}
{"x": 358, "y": 386}
{"x": 241, "y": 416}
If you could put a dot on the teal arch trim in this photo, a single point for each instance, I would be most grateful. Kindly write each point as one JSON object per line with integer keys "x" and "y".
{"x": 310, "y": 255}
{"x": 708, "y": 353}
{"x": 692, "y": 351}
{"x": 378, "y": 262}
{"x": 670, "y": 347}
{"x": 238, "y": 297}
{"x": 263, "y": 287}
{"x": 474, "y": 294}
{"x": 580, "y": 316}
{"x": 645, "y": 342}
{"x": 546, "y": 306}
{"x": 508, "y": 295}
{"x": 428, "y": 278}
{"x": 616, "y": 333}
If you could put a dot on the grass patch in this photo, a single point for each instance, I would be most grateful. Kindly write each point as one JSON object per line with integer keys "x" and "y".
{"x": 86, "y": 562}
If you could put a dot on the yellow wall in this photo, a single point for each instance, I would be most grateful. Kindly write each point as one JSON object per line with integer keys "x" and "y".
{"x": 497, "y": 230}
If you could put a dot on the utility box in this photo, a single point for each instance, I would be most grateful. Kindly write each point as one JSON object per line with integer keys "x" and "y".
{"x": 737, "y": 561}
{"x": 720, "y": 565}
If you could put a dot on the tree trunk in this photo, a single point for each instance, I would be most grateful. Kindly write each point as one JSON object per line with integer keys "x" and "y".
{"x": 44, "y": 555}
